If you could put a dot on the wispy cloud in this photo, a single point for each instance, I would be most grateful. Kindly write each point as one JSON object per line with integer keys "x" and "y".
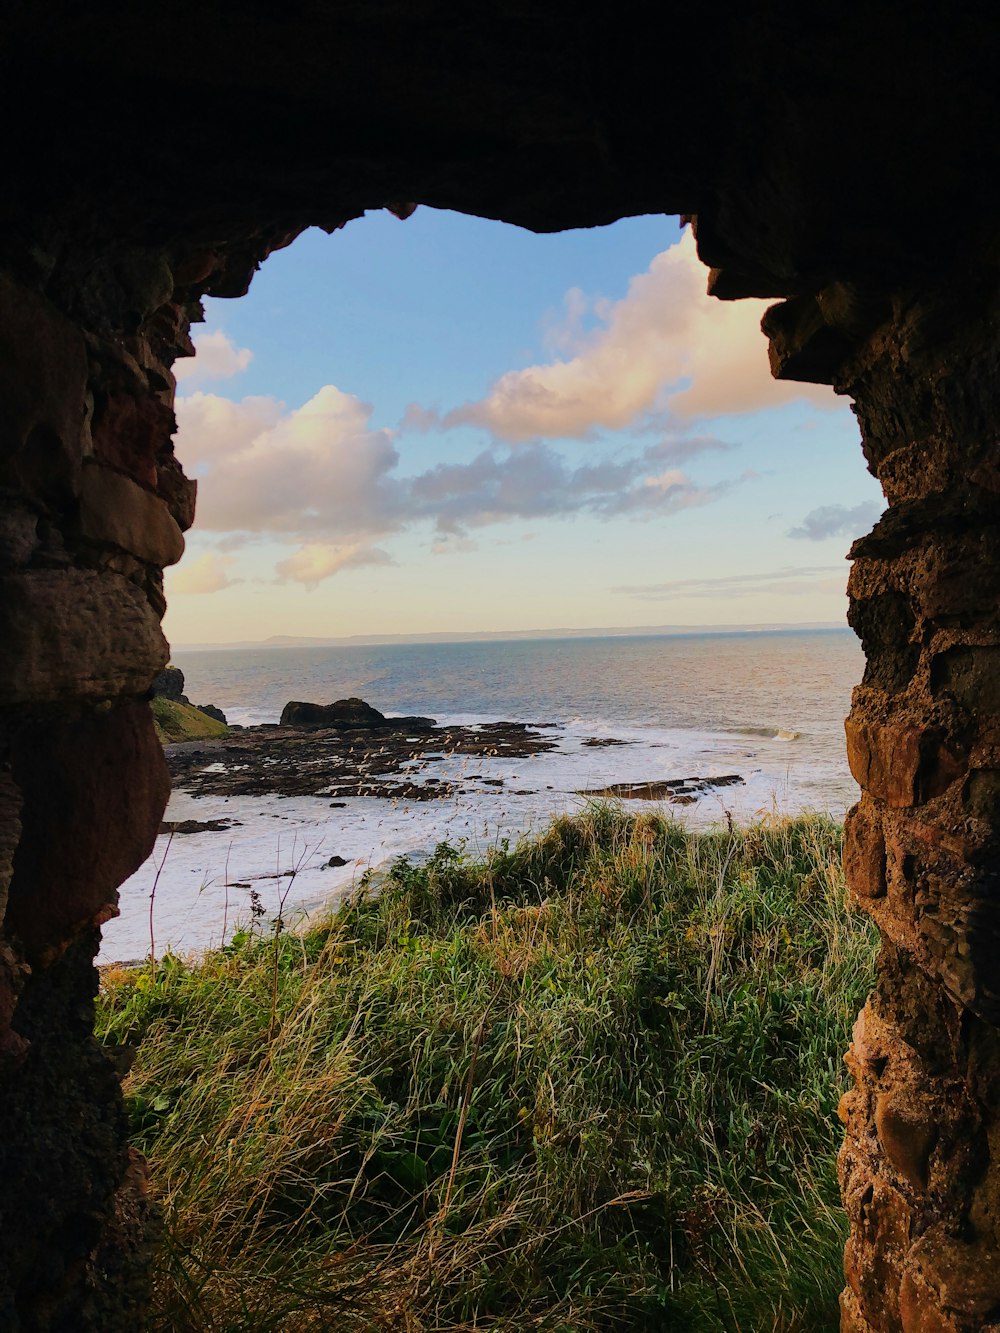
{"x": 666, "y": 344}
{"x": 316, "y": 561}
{"x": 836, "y": 521}
{"x": 795, "y": 580}
{"x": 206, "y": 573}
{"x": 320, "y": 478}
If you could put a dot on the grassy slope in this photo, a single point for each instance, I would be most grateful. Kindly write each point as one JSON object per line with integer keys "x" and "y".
{"x": 589, "y": 1085}
{"x": 181, "y": 722}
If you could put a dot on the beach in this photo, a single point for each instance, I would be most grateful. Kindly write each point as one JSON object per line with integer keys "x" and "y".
{"x": 525, "y": 731}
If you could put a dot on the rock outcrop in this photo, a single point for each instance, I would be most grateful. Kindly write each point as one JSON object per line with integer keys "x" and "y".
{"x": 349, "y": 715}
{"x": 175, "y": 716}
{"x": 169, "y": 684}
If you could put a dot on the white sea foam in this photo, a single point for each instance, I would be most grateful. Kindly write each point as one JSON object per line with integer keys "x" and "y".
{"x": 279, "y": 847}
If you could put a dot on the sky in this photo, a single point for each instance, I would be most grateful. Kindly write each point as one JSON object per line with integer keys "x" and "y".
{"x": 452, "y": 425}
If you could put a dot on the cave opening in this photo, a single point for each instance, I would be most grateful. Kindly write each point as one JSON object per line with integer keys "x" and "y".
{"x": 371, "y": 450}
{"x": 814, "y": 157}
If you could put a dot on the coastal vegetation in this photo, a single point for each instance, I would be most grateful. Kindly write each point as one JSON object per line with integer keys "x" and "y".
{"x": 587, "y": 1083}
{"x": 175, "y": 721}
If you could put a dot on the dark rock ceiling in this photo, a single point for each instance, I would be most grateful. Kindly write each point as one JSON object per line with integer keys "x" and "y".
{"x": 814, "y": 143}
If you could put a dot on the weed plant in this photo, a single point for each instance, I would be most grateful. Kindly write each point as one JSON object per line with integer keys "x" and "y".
{"x": 587, "y": 1084}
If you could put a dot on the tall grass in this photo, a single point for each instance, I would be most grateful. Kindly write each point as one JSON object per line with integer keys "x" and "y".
{"x": 587, "y": 1084}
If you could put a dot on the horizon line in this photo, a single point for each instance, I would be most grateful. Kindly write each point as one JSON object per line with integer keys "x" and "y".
{"x": 508, "y": 635}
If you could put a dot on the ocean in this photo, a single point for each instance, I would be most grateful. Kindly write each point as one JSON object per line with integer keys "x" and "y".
{"x": 769, "y": 706}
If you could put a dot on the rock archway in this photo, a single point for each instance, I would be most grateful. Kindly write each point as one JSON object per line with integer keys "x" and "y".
{"x": 156, "y": 156}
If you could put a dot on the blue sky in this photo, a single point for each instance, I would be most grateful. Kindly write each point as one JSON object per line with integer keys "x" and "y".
{"x": 448, "y": 424}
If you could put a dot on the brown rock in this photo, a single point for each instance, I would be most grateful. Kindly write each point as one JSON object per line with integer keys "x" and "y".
{"x": 880, "y": 1230}
{"x": 907, "y": 1135}
{"x": 864, "y": 852}
{"x": 18, "y": 536}
{"x": 851, "y": 1318}
{"x": 73, "y": 634}
{"x": 348, "y": 714}
{"x": 10, "y": 832}
{"x": 12, "y": 976}
{"x": 963, "y": 1276}
{"x": 802, "y": 345}
{"x": 971, "y": 675}
{"x": 115, "y": 511}
{"x": 129, "y": 433}
{"x": 43, "y": 377}
{"x": 981, "y": 794}
{"x": 94, "y": 790}
{"x": 179, "y": 493}
{"x": 900, "y": 763}
{"x": 919, "y": 1312}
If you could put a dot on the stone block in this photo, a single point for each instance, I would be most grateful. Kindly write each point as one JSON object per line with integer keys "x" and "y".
{"x": 43, "y": 381}
{"x": 802, "y": 345}
{"x": 960, "y": 576}
{"x": 129, "y": 433}
{"x": 75, "y": 634}
{"x": 880, "y": 1230}
{"x": 919, "y": 1312}
{"x": 971, "y": 676}
{"x": 864, "y": 852}
{"x": 900, "y": 763}
{"x": 12, "y": 977}
{"x": 960, "y": 1277}
{"x": 115, "y": 511}
{"x": 178, "y": 492}
{"x": 907, "y": 1133}
{"x": 94, "y": 789}
{"x": 981, "y": 794}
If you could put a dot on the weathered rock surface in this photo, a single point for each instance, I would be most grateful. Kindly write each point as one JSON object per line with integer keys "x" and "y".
{"x": 169, "y": 684}
{"x": 184, "y": 827}
{"x": 816, "y": 166}
{"x": 336, "y": 762}
{"x": 76, "y": 634}
{"x": 83, "y": 830}
{"x": 679, "y": 791}
{"x": 116, "y": 511}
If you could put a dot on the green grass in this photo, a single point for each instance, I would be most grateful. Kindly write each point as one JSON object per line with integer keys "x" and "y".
{"x": 589, "y": 1084}
{"x": 183, "y": 722}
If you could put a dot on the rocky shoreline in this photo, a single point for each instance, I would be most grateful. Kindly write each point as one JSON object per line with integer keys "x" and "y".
{"x": 349, "y": 749}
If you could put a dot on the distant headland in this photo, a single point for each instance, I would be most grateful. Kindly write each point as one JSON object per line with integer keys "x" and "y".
{"x": 483, "y": 636}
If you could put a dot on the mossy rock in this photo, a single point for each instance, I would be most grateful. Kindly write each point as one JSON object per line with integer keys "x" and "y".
{"x": 176, "y": 722}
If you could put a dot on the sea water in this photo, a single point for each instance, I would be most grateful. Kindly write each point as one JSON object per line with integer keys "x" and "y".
{"x": 768, "y": 706}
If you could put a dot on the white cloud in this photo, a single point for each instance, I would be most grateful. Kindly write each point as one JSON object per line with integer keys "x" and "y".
{"x": 837, "y": 521}
{"x": 321, "y": 479}
{"x": 790, "y": 580}
{"x": 303, "y": 474}
{"x": 667, "y": 343}
{"x": 206, "y": 573}
{"x": 316, "y": 561}
{"x": 218, "y": 358}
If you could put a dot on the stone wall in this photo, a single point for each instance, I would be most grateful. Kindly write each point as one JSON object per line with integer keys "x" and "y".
{"x": 922, "y": 846}
{"x": 919, "y": 1169}
{"x": 93, "y": 504}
